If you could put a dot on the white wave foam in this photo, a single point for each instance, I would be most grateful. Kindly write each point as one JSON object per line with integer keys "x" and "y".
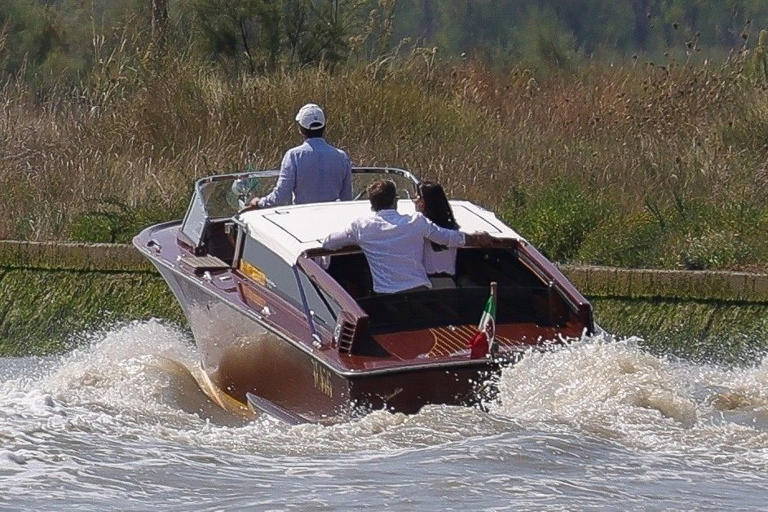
{"x": 617, "y": 391}
{"x": 134, "y": 382}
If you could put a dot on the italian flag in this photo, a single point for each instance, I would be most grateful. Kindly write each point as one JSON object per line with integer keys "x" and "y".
{"x": 483, "y": 344}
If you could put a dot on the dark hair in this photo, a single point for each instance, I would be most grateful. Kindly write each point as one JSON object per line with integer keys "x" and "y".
{"x": 309, "y": 133}
{"x": 382, "y": 194}
{"x": 436, "y": 207}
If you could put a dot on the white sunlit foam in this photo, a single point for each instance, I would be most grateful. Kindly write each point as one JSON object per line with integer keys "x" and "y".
{"x": 616, "y": 390}
{"x": 137, "y": 368}
{"x": 135, "y": 380}
{"x": 131, "y": 384}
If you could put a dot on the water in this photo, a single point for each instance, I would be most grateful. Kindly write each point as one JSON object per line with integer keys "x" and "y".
{"x": 121, "y": 425}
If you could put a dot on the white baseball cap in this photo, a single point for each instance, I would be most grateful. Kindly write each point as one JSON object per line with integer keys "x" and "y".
{"x": 311, "y": 117}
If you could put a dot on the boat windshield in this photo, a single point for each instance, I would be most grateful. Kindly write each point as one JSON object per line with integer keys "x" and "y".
{"x": 217, "y": 197}
{"x": 221, "y": 197}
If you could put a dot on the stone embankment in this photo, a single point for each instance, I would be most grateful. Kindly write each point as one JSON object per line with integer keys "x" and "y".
{"x": 53, "y": 292}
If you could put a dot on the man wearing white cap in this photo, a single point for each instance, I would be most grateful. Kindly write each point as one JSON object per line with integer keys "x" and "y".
{"x": 312, "y": 172}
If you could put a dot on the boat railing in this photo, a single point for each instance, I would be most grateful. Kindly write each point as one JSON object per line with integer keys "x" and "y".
{"x": 555, "y": 279}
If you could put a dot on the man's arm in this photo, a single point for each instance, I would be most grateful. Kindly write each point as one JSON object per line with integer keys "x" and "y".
{"x": 341, "y": 238}
{"x": 442, "y": 236}
{"x": 455, "y": 238}
{"x": 480, "y": 239}
{"x": 286, "y": 182}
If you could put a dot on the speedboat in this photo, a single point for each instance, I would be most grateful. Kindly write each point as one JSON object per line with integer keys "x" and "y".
{"x": 286, "y": 327}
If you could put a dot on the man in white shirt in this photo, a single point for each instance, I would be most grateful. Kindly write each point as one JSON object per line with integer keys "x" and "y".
{"x": 313, "y": 172}
{"x": 393, "y": 242}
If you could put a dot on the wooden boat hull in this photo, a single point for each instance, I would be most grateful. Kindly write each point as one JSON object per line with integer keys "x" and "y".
{"x": 242, "y": 354}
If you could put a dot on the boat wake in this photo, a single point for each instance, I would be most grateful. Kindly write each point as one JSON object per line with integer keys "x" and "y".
{"x": 617, "y": 391}
{"x": 140, "y": 382}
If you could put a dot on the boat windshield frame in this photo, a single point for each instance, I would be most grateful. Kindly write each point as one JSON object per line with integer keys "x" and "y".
{"x": 202, "y": 210}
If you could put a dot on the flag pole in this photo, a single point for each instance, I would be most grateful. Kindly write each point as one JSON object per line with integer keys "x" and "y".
{"x": 493, "y": 345}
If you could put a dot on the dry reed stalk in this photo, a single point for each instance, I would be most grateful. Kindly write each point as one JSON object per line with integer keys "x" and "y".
{"x": 633, "y": 134}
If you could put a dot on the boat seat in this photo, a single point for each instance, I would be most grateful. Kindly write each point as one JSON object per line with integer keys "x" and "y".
{"x": 442, "y": 282}
{"x": 351, "y": 271}
{"x": 202, "y": 263}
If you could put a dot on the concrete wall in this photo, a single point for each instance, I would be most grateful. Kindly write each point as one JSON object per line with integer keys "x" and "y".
{"x": 591, "y": 280}
{"x": 71, "y": 256}
{"x": 670, "y": 284}
{"x": 54, "y": 294}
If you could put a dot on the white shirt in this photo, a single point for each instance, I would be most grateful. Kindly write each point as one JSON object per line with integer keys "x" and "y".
{"x": 439, "y": 262}
{"x": 393, "y": 243}
{"x": 312, "y": 173}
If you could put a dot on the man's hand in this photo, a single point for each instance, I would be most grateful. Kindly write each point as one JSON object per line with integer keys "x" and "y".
{"x": 480, "y": 239}
{"x": 253, "y": 204}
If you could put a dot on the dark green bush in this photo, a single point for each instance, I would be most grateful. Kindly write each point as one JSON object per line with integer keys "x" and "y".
{"x": 556, "y": 219}
{"x": 695, "y": 236}
{"x": 707, "y": 235}
{"x": 116, "y": 222}
{"x": 713, "y": 249}
{"x": 631, "y": 241}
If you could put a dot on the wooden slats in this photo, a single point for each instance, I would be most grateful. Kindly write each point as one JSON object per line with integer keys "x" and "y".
{"x": 200, "y": 263}
{"x": 449, "y": 341}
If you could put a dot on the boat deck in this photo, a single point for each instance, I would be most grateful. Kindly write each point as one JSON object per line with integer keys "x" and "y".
{"x": 446, "y": 343}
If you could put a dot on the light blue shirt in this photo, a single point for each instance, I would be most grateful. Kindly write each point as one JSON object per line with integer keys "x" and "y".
{"x": 314, "y": 172}
{"x": 393, "y": 243}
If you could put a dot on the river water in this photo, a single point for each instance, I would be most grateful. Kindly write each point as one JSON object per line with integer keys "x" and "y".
{"x": 119, "y": 424}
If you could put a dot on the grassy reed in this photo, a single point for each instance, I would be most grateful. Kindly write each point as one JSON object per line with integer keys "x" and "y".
{"x": 638, "y": 165}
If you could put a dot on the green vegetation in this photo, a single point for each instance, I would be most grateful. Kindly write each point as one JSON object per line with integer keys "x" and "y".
{"x": 708, "y": 332}
{"x": 48, "y": 306}
{"x": 50, "y": 41}
{"x": 582, "y": 134}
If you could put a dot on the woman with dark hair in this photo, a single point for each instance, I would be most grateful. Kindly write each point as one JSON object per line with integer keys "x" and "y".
{"x": 439, "y": 260}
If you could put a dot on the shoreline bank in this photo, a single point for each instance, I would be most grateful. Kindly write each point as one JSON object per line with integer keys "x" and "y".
{"x": 55, "y": 291}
